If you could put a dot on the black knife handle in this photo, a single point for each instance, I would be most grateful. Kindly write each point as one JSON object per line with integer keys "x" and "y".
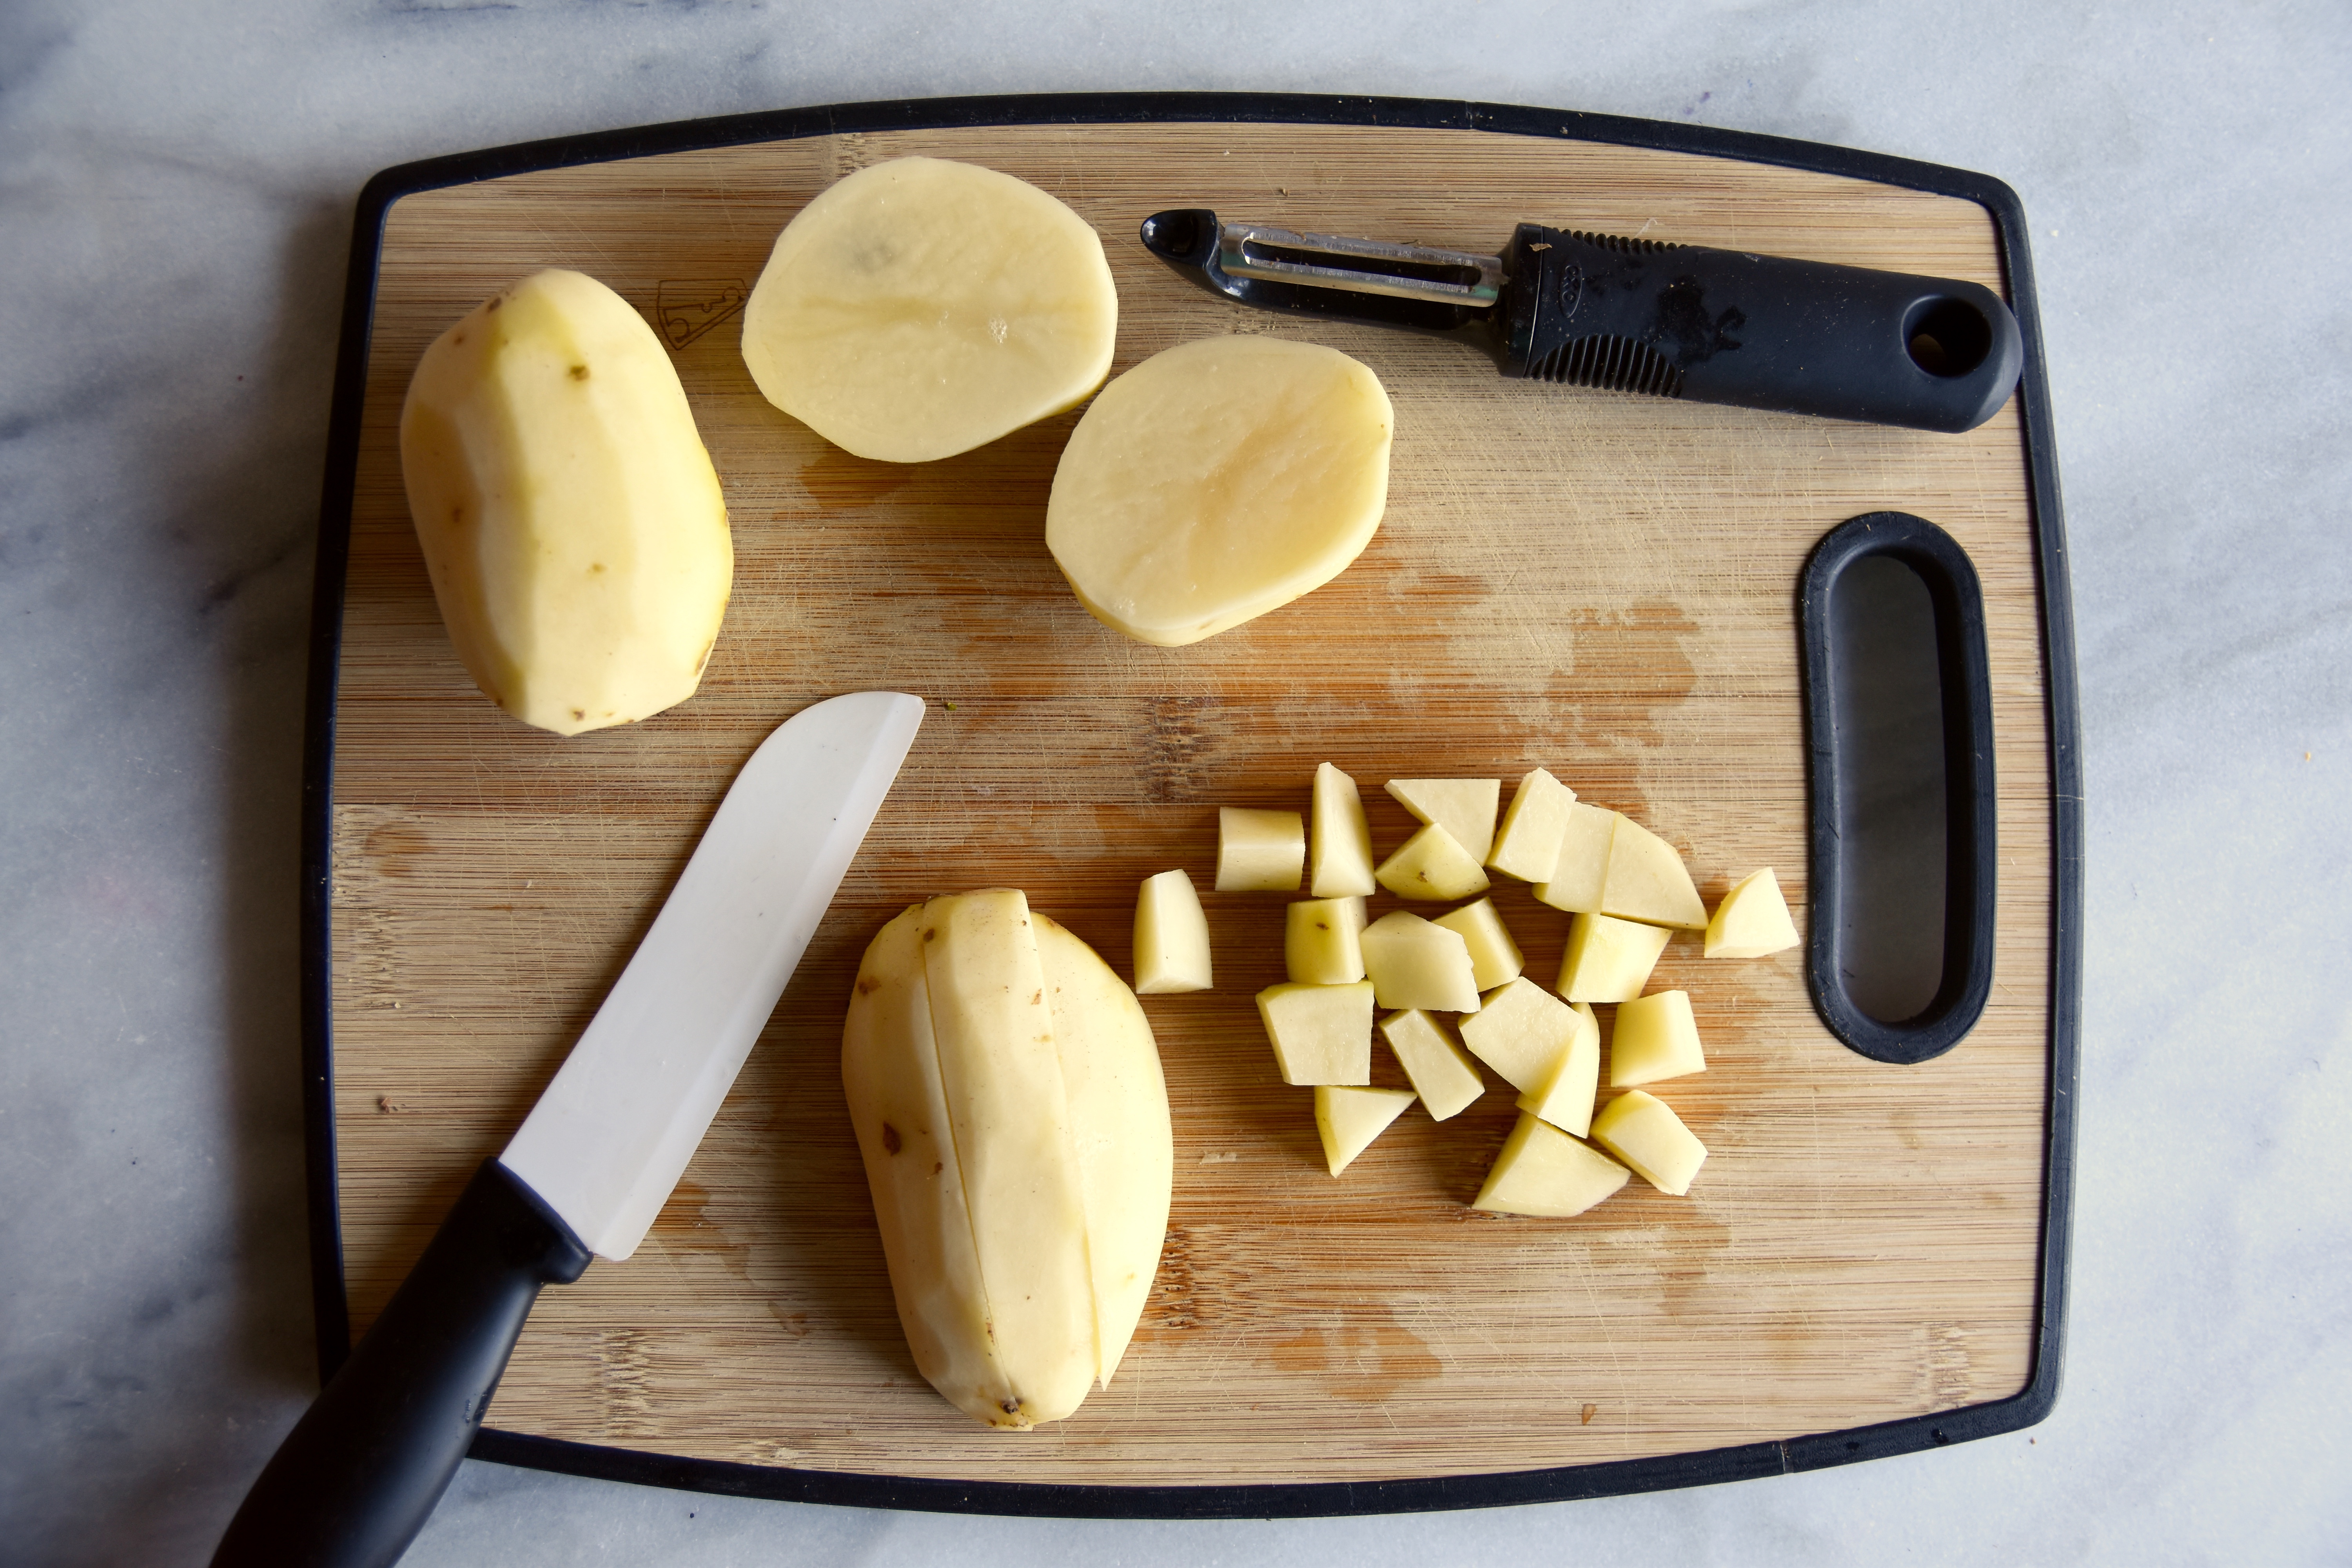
{"x": 356, "y": 1479}
{"x": 1757, "y": 331}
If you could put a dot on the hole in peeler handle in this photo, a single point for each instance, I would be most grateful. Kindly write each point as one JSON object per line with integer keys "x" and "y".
{"x": 1898, "y": 718}
{"x": 1946, "y": 337}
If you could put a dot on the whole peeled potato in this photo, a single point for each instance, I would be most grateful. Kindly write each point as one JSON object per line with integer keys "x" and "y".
{"x": 570, "y": 518}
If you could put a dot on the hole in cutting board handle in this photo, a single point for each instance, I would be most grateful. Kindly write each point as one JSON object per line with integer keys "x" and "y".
{"x": 1898, "y": 752}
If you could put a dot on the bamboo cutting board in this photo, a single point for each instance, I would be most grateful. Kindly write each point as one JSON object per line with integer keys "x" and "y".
{"x": 1600, "y": 584}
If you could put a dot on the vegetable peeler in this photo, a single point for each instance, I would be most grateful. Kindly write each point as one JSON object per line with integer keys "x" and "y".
{"x": 1642, "y": 316}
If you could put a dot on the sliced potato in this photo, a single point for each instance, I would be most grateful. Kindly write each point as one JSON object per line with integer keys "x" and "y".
{"x": 1752, "y": 921}
{"x": 1654, "y": 1037}
{"x": 1432, "y": 864}
{"x": 1564, "y": 1096}
{"x": 1347, "y": 1119}
{"x": 1319, "y": 941}
{"x": 1441, "y": 1071}
{"x": 1464, "y": 807}
{"x": 1648, "y": 881}
{"x": 1581, "y": 869}
{"x": 1171, "y": 937}
{"x": 1528, "y": 843}
{"x": 1495, "y": 958}
{"x": 1543, "y": 1170}
{"x": 1609, "y": 960}
{"x": 1322, "y": 1033}
{"x": 1644, "y": 1132}
{"x": 920, "y": 308}
{"x": 1414, "y": 963}
{"x": 1010, "y": 1110}
{"x": 1218, "y": 480}
{"x": 1259, "y": 852}
{"x": 1521, "y": 1031}
{"x": 1339, "y": 841}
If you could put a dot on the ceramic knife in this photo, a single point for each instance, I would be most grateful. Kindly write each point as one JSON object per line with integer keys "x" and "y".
{"x": 1629, "y": 314}
{"x": 597, "y": 1157}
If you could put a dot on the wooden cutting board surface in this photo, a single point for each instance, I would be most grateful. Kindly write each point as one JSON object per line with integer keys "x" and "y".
{"x": 1600, "y": 584}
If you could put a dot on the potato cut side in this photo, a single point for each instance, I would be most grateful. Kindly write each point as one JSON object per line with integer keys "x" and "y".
{"x": 1339, "y": 841}
{"x": 1565, "y": 1096}
{"x": 1581, "y": 869}
{"x": 890, "y": 1077}
{"x": 1752, "y": 921}
{"x": 1528, "y": 843}
{"x": 1259, "y": 852}
{"x": 1544, "y": 1171}
{"x": 1464, "y": 807}
{"x": 1441, "y": 1071}
{"x": 1521, "y": 1031}
{"x": 1218, "y": 480}
{"x": 919, "y": 308}
{"x": 1320, "y": 942}
{"x": 1001, "y": 1074}
{"x": 1654, "y": 1037}
{"x": 1172, "y": 936}
{"x": 1322, "y": 1033}
{"x": 568, "y": 516}
{"x": 1645, "y": 1133}
{"x": 1414, "y": 963}
{"x": 1648, "y": 881}
{"x": 1349, "y": 1119}
{"x": 1120, "y": 1128}
{"x": 1432, "y": 864}
{"x": 1609, "y": 960}
{"x": 1495, "y": 958}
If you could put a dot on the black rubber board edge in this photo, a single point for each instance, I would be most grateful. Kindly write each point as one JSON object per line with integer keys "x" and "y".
{"x": 1707, "y": 1467}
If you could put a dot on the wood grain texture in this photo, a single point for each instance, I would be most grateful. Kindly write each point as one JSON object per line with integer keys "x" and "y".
{"x": 1603, "y": 585}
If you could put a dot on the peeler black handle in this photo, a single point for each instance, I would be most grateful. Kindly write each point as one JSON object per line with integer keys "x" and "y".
{"x": 1757, "y": 331}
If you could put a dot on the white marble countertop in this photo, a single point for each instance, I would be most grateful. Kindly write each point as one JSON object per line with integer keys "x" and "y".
{"x": 176, "y": 182}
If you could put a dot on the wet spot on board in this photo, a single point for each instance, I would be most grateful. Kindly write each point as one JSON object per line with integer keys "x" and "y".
{"x": 837, "y": 481}
{"x": 395, "y": 847}
{"x": 1364, "y": 1356}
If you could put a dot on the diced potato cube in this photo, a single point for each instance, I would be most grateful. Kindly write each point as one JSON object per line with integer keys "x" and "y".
{"x": 1339, "y": 842}
{"x": 1464, "y": 807}
{"x": 1440, "y": 1070}
{"x": 1655, "y": 1037}
{"x": 1609, "y": 960}
{"x": 1581, "y": 869}
{"x": 1414, "y": 963}
{"x": 1528, "y": 847}
{"x": 1259, "y": 852}
{"x": 1565, "y": 1096}
{"x": 1319, "y": 945}
{"x": 1645, "y": 1133}
{"x": 1172, "y": 936}
{"x": 1493, "y": 957}
{"x": 1432, "y": 864}
{"x": 1543, "y": 1170}
{"x": 1520, "y": 1031}
{"x": 1349, "y": 1119}
{"x": 1322, "y": 1033}
{"x": 1752, "y": 921}
{"x": 1648, "y": 881}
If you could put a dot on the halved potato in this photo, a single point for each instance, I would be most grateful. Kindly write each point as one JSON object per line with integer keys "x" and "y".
{"x": 1218, "y": 480}
{"x": 920, "y": 308}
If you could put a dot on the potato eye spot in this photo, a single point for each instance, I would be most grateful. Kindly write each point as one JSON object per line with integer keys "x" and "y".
{"x": 596, "y": 566}
{"x": 890, "y": 1139}
{"x": 867, "y": 985}
{"x": 579, "y": 372}
{"x": 580, "y": 712}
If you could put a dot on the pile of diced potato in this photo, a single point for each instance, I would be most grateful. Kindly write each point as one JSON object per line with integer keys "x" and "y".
{"x": 1628, "y": 892}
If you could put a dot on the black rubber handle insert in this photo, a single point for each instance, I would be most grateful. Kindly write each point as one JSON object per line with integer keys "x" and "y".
{"x": 356, "y": 1479}
{"x": 1899, "y": 755}
{"x": 1758, "y": 332}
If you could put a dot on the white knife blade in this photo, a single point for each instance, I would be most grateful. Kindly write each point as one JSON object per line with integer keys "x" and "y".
{"x": 608, "y": 1139}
